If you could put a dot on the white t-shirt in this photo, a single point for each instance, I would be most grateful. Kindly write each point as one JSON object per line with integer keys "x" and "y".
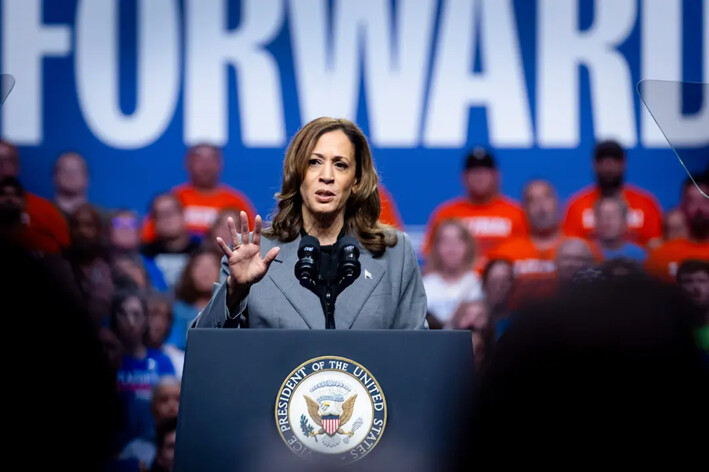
{"x": 444, "y": 297}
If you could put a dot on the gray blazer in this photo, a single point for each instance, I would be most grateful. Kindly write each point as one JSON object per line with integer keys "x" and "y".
{"x": 388, "y": 294}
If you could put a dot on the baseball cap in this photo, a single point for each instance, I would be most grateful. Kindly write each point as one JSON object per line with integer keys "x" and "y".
{"x": 479, "y": 157}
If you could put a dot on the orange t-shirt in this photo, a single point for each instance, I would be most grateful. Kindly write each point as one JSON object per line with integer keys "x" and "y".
{"x": 46, "y": 230}
{"x": 528, "y": 260}
{"x": 644, "y": 215}
{"x": 664, "y": 261}
{"x": 389, "y": 214}
{"x": 534, "y": 268}
{"x": 201, "y": 208}
{"x": 490, "y": 223}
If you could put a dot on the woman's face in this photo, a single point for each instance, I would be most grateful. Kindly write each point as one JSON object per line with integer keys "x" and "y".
{"x": 205, "y": 272}
{"x": 450, "y": 246}
{"x": 158, "y": 322}
{"x": 330, "y": 176}
{"x": 131, "y": 322}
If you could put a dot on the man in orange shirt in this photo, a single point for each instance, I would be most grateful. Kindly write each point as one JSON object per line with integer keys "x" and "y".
{"x": 203, "y": 196}
{"x": 533, "y": 255}
{"x": 40, "y": 216}
{"x": 644, "y": 215}
{"x": 664, "y": 261}
{"x": 490, "y": 217}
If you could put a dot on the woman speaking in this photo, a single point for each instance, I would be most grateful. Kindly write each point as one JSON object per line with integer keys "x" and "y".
{"x": 329, "y": 195}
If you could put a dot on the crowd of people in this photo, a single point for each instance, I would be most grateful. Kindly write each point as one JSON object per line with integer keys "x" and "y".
{"x": 143, "y": 280}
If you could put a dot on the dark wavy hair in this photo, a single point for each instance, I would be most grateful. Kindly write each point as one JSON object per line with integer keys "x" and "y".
{"x": 185, "y": 289}
{"x": 362, "y": 208}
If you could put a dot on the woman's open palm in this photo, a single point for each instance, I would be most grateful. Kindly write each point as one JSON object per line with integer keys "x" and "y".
{"x": 246, "y": 266}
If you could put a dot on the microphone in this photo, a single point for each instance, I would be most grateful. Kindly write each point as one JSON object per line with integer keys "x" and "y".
{"x": 306, "y": 269}
{"x": 348, "y": 267}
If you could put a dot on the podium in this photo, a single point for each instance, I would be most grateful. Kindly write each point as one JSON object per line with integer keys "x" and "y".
{"x": 316, "y": 400}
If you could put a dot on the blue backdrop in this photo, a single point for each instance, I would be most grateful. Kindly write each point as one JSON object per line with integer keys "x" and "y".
{"x": 129, "y": 84}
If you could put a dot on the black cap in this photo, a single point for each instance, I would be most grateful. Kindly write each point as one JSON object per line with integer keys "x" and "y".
{"x": 479, "y": 157}
{"x": 609, "y": 149}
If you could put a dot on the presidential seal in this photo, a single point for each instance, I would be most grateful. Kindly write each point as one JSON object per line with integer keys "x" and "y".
{"x": 331, "y": 408}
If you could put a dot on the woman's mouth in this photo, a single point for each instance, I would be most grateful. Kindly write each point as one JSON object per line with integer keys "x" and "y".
{"x": 324, "y": 196}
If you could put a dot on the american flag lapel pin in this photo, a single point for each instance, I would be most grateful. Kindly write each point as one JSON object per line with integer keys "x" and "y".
{"x": 367, "y": 274}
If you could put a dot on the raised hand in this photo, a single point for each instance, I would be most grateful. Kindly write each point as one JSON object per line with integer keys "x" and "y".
{"x": 246, "y": 267}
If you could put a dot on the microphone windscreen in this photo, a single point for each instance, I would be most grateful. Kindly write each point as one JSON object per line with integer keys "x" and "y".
{"x": 309, "y": 245}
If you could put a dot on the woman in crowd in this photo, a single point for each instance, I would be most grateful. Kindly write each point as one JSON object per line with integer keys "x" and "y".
{"x": 160, "y": 321}
{"x": 449, "y": 278}
{"x": 141, "y": 367}
{"x": 90, "y": 261}
{"x": 193, "y": 293}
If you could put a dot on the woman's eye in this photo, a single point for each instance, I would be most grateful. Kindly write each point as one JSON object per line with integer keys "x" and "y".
{"x": 342, "y": 165}
{"x": 314, "y": 162}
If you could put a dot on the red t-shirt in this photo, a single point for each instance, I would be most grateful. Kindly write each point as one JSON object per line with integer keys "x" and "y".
{"x": 490, "y": 223}
{"x": 201, "y": 208}
{"x": 389, "y": 214}
{"x": 664, "y": 261}
{"x": 644, "y": 215}
{"x": 46, "y": 230}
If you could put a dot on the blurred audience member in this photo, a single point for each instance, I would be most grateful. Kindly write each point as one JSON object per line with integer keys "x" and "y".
{"x": 572, "y": 255}
{"x": 193, "y": 293}
{"x": 204, "y": 196}
{"x": 173, "y": 244}
{"x": 664, "y": 261}
{"x": 90, "y": 262}
{"x": 56, "y": 376}
{"x": 533, "y": 255}
{"x": 489, "y": 217}
{"x": 124, "y": 232}
{"x": 219, "y": 229}
{"x": 129, "y": 272}
{"x": 474, "y": 316}
{"x": 111, "y": 347}
{"x": 449, "y": 278}
{"x": 498, "y": 284}
{"x": 12, "y": 203}
{"x": 166, "y": 447}
{"x": 693, "y": 277}
{"x": 603, "y": 372}
{"x": 611, "y": 214}
{"x": 160, "y": 319}
{"x": 389, "y": 214}
{"x": 124, "y": 237}
{"x": 675, "y": 227}
{"x": 164, "y": 407}
{"x": 71, "y": 183}
{"x": 39, "y": 214}
{"x": 141, "y": 367}
{"x": 644, "y": 216}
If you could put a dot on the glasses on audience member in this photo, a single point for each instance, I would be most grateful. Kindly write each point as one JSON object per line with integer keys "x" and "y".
{"x": 124, "y": 222}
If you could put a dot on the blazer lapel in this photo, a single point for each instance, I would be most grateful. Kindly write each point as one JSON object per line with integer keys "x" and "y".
{"x": 350, "y": 302}
{"x": 305, "y": 302}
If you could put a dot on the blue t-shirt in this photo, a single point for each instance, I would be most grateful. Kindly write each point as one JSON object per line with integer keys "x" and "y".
{"x": 183, "y": 316}
{"x": 136, "y": 379}
{"x": 628, "y": 251}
